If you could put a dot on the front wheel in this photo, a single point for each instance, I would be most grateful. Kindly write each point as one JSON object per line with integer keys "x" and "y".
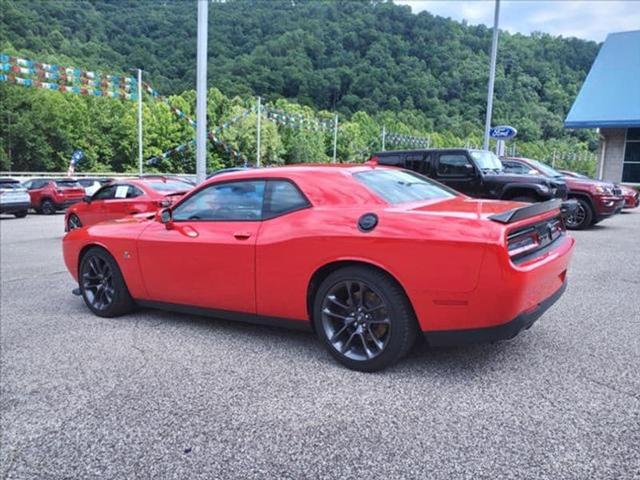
{"x": 364, "y": 318}
{"x": 73, "y": 222}
{"x": 102, "y": 285}
{"x": 581, "y": 217}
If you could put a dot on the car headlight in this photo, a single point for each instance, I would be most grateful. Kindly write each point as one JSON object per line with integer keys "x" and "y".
{"x": 544, "y": 188}
{"x": 603, "y": 190}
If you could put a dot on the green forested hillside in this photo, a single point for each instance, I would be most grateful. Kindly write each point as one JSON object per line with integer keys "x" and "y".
{"x": 427, "y": 74}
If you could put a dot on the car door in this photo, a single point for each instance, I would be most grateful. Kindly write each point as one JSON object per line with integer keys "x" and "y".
{"x": 205, "y": 257}
{"x": 123, "y": 203}
{"x": 455, "y": 170}
{"x": 96, "y": 211}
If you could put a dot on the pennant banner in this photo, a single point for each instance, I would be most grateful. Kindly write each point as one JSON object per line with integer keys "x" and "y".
{"x": 401, "y": 139}
{"x": 283, "y": 118}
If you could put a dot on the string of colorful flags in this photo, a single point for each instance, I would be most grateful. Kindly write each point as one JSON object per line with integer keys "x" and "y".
{"x": 283, "y": 118}
{"x": 409, "y": 140}
{"x": 29, "y": 73}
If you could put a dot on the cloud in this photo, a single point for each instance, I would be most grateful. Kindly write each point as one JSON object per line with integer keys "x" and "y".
{"x": 591, "y": 20}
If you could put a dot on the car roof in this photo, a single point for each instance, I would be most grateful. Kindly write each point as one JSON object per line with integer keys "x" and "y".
{"x": 9, "y": 180}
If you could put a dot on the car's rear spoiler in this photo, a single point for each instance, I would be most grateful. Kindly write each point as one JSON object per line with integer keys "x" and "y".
{"x": 521, "y": 213}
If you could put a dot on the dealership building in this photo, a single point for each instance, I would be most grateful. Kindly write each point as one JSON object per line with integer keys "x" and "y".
{"x": 609, "y": 100}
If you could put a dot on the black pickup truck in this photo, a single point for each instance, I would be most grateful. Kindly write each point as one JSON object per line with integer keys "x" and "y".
{"x": 477, "y": 173}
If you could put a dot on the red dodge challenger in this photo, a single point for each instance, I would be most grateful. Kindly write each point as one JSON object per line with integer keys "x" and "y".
{"x": 127, "y": 196}
{"x": 366, "y": 256}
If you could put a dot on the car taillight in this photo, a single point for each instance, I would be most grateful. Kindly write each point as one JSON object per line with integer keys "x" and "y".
{"x": 523, "y": 241}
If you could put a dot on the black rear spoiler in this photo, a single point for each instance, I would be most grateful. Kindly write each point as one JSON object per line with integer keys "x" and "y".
{"x": 521, "y": 213}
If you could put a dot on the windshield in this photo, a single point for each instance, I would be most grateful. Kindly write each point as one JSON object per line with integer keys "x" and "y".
{"x": 486, "y": 160}
{"x": 10, "y": 185}
{"x": 545, "y": 169}
{"x": 399, "y": 186}
{"x": 168, "y": 186}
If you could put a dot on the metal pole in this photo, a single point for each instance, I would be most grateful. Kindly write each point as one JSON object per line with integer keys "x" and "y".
{"x": 335, "y": 139}
{"x": 492, "y": 76}
{"x": 553, "y": 160}
{"x": 258, "y": 134}
{"x": 140, "y": 122}
{"x": 201, "y": 92}
{"x": 384, "y": 136}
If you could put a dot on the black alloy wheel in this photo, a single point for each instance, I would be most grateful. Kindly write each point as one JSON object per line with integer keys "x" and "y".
{"x": 47, "y": 207}
{"x": 364, "y": 318}
{"x": 73, "y": 222}
{"x": 102, "y": 285}
{"x": 581, "y": 217}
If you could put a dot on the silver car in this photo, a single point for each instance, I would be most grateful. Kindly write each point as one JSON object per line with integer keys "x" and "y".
{"x": 14, "y": 198}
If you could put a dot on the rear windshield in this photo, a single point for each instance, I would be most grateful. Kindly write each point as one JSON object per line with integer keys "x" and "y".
{"x": 168, "y": 186}
{"x": 10, "y": 184}
{"x": 68, "y": 183}
{"x": 400, "y": 186}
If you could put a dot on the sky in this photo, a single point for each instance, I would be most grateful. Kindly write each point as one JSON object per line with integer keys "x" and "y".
{"x": 587, "y": 19}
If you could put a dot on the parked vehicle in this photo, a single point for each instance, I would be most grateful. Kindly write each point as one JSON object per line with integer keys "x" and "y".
{"x": 49, "y": 195}
{"x": 92, "y": 185}
{"x": 124, "y": 197}
{"x": 14, "y": 198}
{"x": 596, "y": 200}
{"x": 226, "y": 170}
{"x": 631, "y": 195}
{"x": 477, "y": 173}
{"x": 366, "y": 256}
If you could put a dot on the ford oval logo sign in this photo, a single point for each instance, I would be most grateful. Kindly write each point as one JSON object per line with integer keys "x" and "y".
{"x": 503, "y": 132}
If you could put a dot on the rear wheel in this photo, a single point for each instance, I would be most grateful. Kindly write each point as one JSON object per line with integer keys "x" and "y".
{"x": 364, "y": 318}
{"x": 73, "y": 222}
{"x": 102, "y": 285}
{"x": 47, "y": 207}
{"x": 581, "y": 217}
{"x": 21, "y": 214}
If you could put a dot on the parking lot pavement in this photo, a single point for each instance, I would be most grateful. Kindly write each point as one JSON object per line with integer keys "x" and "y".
{"x": 163, "y": 395}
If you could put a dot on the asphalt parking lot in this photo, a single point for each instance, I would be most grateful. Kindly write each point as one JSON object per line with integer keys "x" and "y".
{"x": 164, "y": 395}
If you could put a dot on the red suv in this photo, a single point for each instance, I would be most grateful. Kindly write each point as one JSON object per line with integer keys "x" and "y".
{"x": 631, "y": 195}
{"x": 128, "y": 196}
{"x": 49, "y": 195}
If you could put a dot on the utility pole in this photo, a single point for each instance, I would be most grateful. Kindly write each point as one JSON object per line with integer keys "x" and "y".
{"x": 201, "y": 92}
{"x": 258, "y": 134}
{"x": 492, "y": 76}
{"x": 384, "y": 135}
{"x": 335, "y": 138}
{"x": 140, "y": 122}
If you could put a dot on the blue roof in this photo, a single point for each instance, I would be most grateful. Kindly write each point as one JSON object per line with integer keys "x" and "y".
{"x": 610, "y": 95}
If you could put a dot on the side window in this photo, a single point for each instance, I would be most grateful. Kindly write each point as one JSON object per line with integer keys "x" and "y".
{"x": 230, "y": 201}
{"x": 515, "y": 167}
{"x": 454, "y": 165}
{"x": 395, "y": 160}
{"x": 134, "y": 192}
{"x": 282, "y": 197}
{"x": 105, "y": 193}
{"x": 37, "y": 184}
{"x": 28, "y": 184}
{"x": 418, "y": 162}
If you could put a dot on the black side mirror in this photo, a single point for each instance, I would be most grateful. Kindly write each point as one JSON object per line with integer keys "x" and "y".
{"x": 166, "y": 217}
{"x": 86, "y": 199}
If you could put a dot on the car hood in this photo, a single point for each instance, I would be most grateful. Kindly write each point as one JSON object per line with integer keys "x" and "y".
{"x": 464, "y": 207}
{"x": 516, "y": 178}
{"x": 574, "y": 182}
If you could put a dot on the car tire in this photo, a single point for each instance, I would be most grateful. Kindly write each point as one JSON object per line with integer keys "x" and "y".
{"x": 73, "y": 222}
{"x": 524, "y": 198}
{"x": 102, "y": 286}
{"x": 21, "y": 214}
{"x": 583, "y": 217}
{"x": 364, "y": 319}
{"x": 47, "y": 207}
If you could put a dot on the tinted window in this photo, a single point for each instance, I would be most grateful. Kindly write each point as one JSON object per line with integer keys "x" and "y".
{"x": 37, "y": 184}
{"x": 168, "y": 186}
{"x": 232, "y": 201}
{"x": 105, "y": 193}
{"x": 399, "y": 186}
{"x": 67, "y": 184}
{"x": 86, "y": 183}
{"x": 454, "y": 165}
{"x": 282, "y": 197}
{"x": 394, "y": 159}
{"x": 418, "y": 162}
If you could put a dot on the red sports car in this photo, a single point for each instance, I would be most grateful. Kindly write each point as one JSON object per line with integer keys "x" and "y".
{"x": 124, "y": 197}
{"x": 366, "y": 256}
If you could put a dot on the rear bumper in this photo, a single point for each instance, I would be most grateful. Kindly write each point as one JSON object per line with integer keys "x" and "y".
{"x": 65, "y": 203}
{"x": 631, "y": 201}
{"x": 14, "y": 207}
{"x": 449, "y": 338}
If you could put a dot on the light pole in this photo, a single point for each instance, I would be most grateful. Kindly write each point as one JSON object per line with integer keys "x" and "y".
{"x": 259, "y": 112}
{"x": 492, "y": 76}
{"x": 201, "y": 92}
{"x": 140, "y": 122}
